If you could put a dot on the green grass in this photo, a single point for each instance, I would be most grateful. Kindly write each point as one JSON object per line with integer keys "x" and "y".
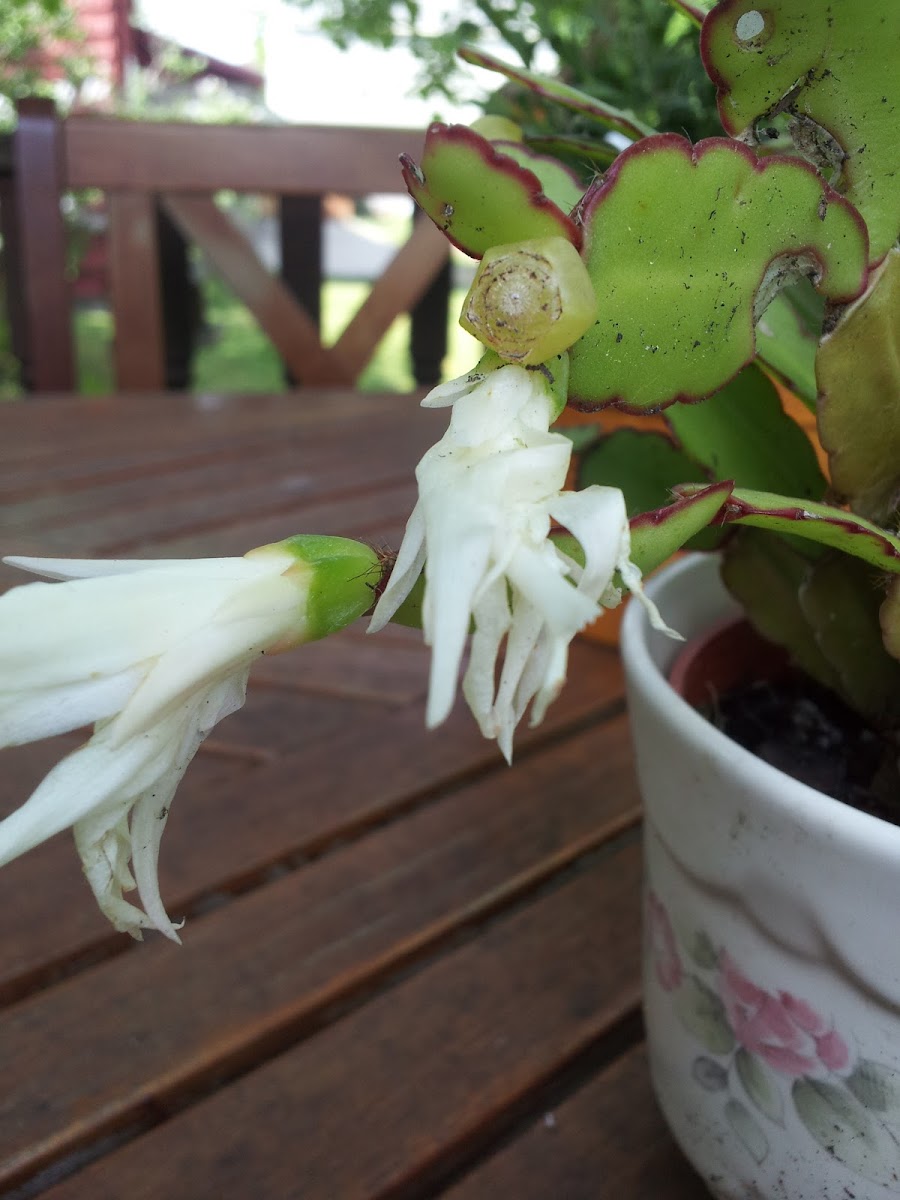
{"x": 239, "y": 358}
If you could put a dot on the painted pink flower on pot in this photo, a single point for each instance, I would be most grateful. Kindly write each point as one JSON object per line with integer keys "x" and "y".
{"x": 786, "y": 1032}
{"x": 772, "y": 1055}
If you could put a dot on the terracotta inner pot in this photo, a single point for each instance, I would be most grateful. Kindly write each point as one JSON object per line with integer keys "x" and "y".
{"x": 729, "y": 655}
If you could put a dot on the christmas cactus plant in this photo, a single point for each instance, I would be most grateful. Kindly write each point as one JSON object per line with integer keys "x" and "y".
{"x": 684, "y": 279}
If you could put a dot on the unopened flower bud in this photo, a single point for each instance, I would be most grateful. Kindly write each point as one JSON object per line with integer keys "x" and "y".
{"x": 530, "y": 301}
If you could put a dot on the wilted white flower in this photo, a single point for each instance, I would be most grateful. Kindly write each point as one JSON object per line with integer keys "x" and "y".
{"x": 152, "y": 654}
{"x": 488, "y": 493}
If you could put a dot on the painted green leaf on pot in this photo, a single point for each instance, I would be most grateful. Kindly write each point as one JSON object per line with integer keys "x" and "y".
{"x": 480, "y": 197}
{"x": 841, "y": 1125}
{"x": 820, "y": 523}
{"x": 645, "y": 467}
{"x": 702, "y": 1013}
{"x": 788, "y": 348}
{"x": 760, "y": 1085}
{"x": 764, "y": 573}
{"x": 743, "y": 433}
{"x": 748, "y": 1129}
{"x": 701, "y": 949}
{"x": 686, "y": 245}
{"x": 711, "y": 1075}
{"x": 840, "y": 599}
{"x": 569, "y": 97}
{"x": 875, "y": 1087}
{"x": 858, "y": 368}
{"x": 833, "y": 67}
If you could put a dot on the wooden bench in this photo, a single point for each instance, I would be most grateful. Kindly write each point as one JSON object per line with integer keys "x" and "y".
{"x": 159, "y": 182}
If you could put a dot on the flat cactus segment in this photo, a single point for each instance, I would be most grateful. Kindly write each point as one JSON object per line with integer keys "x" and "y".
{"x": 655, "y": 536}
{"x": 480, "y": 197}
{"x": 686, "y": 245}
{"x": 858, "y": 371}
{"x": 558, "y": 182}
{"x": 788, "y": 348}
{"x": 820, "y": 523}
{"x": 562, "y": 93}
{"x": 834, "y": 68}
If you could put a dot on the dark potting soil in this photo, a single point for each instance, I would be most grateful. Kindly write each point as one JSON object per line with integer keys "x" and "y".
{"x": 810, "y": 734}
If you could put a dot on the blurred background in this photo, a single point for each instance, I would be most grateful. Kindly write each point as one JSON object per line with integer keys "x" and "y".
{"x": 322, "y": 62}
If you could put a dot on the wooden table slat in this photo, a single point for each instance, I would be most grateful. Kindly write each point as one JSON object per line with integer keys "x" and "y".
{"x": 334, "y": 769}
{"x": 316, "y": 936}
{"x": 610, "y": 1130}
{"x": 468, "y": 1037}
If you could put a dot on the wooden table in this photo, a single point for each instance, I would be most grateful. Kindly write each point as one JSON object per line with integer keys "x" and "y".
{"x": 407, "y": 970}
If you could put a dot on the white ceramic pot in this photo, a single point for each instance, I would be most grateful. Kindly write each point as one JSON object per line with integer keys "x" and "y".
{"x": 772, "y": 945}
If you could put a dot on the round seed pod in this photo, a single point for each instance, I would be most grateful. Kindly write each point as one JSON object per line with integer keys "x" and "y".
{"x": 529, "y": 301}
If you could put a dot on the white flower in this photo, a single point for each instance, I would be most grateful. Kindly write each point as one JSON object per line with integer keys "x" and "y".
{"x": 152, "y": 654}
{"x": 488, "y": 492}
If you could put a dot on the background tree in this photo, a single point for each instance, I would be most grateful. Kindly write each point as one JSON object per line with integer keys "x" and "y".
{"x": 635, "y": 54}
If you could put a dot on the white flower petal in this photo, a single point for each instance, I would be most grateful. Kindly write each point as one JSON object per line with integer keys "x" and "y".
{"x": 492, "y": 616}
{"x": 407, "y": 568}
{"x": 88, "y": 778}
{"x": 211, "y": 654}
{"x": 597, "y": 518}
{"x": 152, "y": 655}
{"x": 448, "y": 393}
{"x": 54, "y": 633}
{"x": 29, "y": 716}
{"x": 451, "y": 583}
{"x": 488, "y": 492}
{"x": 95, "y": 568}
{"x": 524, "y": 635}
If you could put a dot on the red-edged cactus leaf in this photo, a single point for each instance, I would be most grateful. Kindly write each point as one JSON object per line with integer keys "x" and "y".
{"x": 693, "y": 12}
{"x": 821, "y": 523}
{"x": 559, "y": 183}
{"x": 833, "y": 66}
{"x": 547, "y": 88}
{"x": 656, "y": 536}
{"x": 686, "y": 245}
{"x": 858, "y": 370}
{"x": 480, "y": 197}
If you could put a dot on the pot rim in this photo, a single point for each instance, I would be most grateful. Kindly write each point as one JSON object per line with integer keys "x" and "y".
{"x": 804, "y": 804}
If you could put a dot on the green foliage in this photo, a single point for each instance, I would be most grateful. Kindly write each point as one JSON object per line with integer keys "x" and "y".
{"x": 743, "y": 433}
{"x": 27, "y": 26}
{"x": 480, "y": 197}
{"x": 858, "y": 372}
{"x": 632, "y": 54}
{"x": 686, "y": 246}
{"x": 832, "y": 68}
